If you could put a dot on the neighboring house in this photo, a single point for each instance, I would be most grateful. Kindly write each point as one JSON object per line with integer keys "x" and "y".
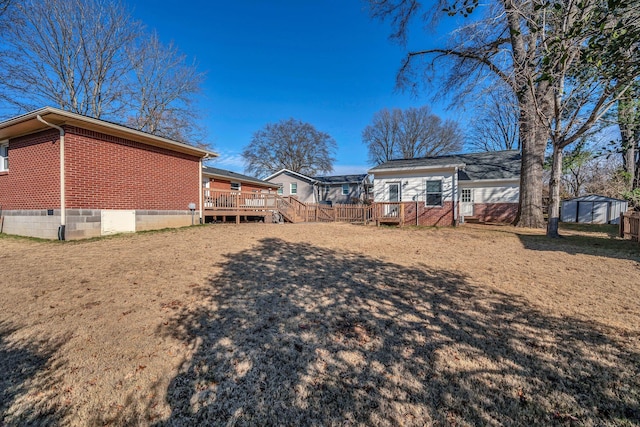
{"x": 334, "y": 189}
{"x": 70, "y": 176}
{"x": 445, "y": 189}
{"x": 221, "y": 179}
{"x": 343, "y": 188}
{"x": 593, "y": 209}
{"x": 295, "y": 184}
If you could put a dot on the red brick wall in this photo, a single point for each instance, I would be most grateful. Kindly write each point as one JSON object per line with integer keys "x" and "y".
{"x": 106, "y": 172}
{"x": 33, "y": 179}
{"x": 495, "y": 212}
{"x": 101, "y": 172}
{"x": 219, "y": 185}
{"x": 428, "y": 216}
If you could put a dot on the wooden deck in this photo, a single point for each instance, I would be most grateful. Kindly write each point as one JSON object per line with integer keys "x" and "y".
{"x": 225, "y": 204}
{"x": 389, "y": 213}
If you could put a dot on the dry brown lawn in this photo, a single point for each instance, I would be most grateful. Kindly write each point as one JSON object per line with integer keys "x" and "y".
{"x": 321, "y": 324}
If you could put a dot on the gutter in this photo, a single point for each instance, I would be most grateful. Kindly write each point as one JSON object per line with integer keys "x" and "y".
{"x": 63, "y": 213}
{"x": 200, "y": 189}
{"x": 415, "y": 168}
{"x": 492, "y": 180}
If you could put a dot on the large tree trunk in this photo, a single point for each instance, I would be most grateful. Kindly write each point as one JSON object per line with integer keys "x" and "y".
{"x": 533, "y": 143}
{"x": 554, "y": 193}
{"x": 628, "y": 152}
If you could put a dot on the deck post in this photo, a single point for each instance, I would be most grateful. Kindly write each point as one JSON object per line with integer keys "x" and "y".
{"x": 621, "y": 225}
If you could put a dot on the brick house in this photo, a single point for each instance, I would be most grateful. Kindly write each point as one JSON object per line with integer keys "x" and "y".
{"x": 68, "y": 176}
{"x": 445, "y": 190}
{"x": 222, "y": 179}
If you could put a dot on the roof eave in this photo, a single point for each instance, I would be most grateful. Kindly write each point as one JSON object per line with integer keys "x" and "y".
{"x": 281, "y": 171}
{"x": 251, "y": 181}
{"x": 489, "y": 180}
{"x": 28, "y": 123}
{"x": 417, "y": 168}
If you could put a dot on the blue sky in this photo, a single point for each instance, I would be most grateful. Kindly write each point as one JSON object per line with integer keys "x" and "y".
{"x": 324, "y": 62}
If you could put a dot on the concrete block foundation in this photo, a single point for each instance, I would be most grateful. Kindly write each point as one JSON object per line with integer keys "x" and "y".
{"x": 84, "y": 223}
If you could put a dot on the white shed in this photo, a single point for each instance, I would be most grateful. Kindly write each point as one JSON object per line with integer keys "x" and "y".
{"x": 593, "y": 209}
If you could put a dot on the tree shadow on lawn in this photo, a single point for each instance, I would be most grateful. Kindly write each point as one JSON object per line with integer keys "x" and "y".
{"x": 583, "y": 244}
{"x": 295, "y": 334}
{"x": 28, "y": 374}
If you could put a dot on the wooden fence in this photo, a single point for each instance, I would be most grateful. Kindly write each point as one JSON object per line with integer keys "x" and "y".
{"x": 630, "y": 226}
{"x": 338, "y": 213}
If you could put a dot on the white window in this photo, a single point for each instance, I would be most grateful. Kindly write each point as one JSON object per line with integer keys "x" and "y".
{"x": 434, "y": 193}
{"x": 235, "y": 186}
{"x": 294, "y": 188}
{"x": 466, "y": 195}
{"x": 345, "y": 189}
{"x": 4, "y": 156}
{"x": 279, "y": 188}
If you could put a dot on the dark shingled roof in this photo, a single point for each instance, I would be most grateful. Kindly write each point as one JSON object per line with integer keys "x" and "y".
{"x": 237, "y": 176}
{"x": 486, "y": 165}
{"x": 341, "y": 179}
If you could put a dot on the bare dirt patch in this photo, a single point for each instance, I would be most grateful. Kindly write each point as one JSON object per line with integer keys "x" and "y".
{"x": 321, "y": 324}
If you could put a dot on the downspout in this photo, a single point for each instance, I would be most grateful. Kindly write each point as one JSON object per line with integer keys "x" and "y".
{"x": 455, "y": 196}
{"x": 63, "y": 214}
{"x": 201, "y": 189}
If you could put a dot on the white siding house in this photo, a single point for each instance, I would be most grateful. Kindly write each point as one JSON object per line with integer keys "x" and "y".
{"x": 444, "y": 190}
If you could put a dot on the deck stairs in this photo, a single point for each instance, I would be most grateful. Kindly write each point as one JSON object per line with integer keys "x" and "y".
{"x": 290, "y": 209}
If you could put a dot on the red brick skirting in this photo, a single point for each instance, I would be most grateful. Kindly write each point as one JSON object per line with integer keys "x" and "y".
{"x": 428, "y": 215}
{"x": 495, "y": 212}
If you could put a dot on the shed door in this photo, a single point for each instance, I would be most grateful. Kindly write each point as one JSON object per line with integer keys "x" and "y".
{"x": 600, "y": 210}
{"x": 466, "y": 202}
{"x": 585, "y": 215}
{"x": 592, "y": 212}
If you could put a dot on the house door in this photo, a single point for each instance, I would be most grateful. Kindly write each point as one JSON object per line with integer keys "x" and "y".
{"x": 466, "y": 202}
{"x": 393, "y": 196}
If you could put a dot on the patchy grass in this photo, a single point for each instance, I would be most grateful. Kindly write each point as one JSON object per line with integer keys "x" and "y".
{"x": 611, "y": 230}
{"x": 322, "y": 324}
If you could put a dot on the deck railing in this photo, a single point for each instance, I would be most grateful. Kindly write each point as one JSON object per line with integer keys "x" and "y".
{"x": 630, "y": 226}
{"x": 389, "y": 212}
{"x": 234, "y": 200}
{"x": 240, "y": 203}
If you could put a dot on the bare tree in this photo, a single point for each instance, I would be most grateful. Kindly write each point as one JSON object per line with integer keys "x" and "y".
{"x": 410, "y": 133}
{"x": 381, "y": 137}
{"x": 425, "y": 134}
{"x": 164, "y": 90}
{"x": 533, "y": 46}
{"x": 496, "y": 127}
{"x": 91, "y": 57}
{"x": 577, "y": 169}
{"x": 68, "y": 53}
{"x": 605, "y": 177}
{"x": 4, "y": 5}
{"x": 502, "y": 43}
{"x": 289, "y": 144}
{"x": 589, "y": 73}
